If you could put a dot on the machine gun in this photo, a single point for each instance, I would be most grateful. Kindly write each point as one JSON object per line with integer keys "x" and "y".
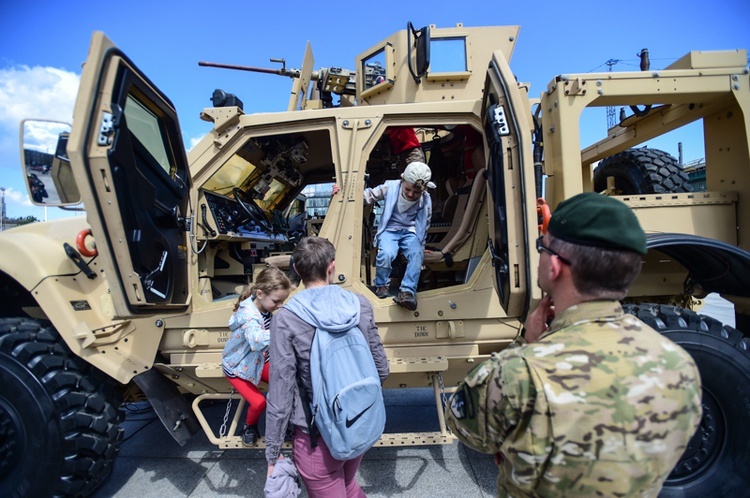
{"x": 329, "y": 80}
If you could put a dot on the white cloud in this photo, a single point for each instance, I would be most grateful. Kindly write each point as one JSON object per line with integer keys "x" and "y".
{"x": 194, "y": 141}
{"x": 28, "y": 93}
{"x": 17, "y": 197}
{"x": 37, "y": 92}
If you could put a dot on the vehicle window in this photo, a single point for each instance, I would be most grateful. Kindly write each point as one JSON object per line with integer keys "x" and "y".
{"x": 235, "y": 172}
{"x": 272, "y": 193}
{"x": 373, "y": 68}
{"x": 448, "y": 55}
{"x": 144, "y": 125}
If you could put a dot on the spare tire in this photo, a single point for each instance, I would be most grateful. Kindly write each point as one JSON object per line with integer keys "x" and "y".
{"x": 642, "y": 171}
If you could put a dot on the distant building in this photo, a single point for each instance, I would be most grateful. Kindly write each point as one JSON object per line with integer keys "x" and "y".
{"x": 318, "y": 197}
{"x": 37, "y": 161}
{"x": 696, "y": 171}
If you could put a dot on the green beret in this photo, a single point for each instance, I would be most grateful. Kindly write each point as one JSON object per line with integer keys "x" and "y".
{"x": 591, "y": 219}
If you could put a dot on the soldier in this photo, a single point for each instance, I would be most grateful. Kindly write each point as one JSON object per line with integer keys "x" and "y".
{"x": 597, "y": 403}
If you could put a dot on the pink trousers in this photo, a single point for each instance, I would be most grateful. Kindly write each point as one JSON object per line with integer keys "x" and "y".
{"x": 324, "y": 476}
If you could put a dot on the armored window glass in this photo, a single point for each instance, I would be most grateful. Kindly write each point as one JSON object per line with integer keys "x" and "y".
{"x": 377, "y": 70}
{"x": 144, "y": 125}
{"x": 373, "y": 68}
{"x": 272, "y": 192}
{"x": 448, "y": 55}
{"x": 235, "y": 172}
{"x": 449, "y": 59}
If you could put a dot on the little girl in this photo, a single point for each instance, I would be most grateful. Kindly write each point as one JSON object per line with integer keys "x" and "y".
{"x": 245, "y": 356}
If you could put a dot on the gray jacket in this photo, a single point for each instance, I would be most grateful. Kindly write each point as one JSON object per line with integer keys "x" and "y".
{"x": 284, "y": 482}
{"x": 292, "y": 330}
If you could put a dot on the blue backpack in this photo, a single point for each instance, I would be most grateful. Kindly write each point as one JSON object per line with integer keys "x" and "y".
{"x": 347, "y": 400}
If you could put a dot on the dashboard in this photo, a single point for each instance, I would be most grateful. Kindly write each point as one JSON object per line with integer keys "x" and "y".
{"x": 231, "y": 220}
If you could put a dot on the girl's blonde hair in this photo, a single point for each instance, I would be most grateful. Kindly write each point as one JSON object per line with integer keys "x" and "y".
{"x": 269, "y": 280}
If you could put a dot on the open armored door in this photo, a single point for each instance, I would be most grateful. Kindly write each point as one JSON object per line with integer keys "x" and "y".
{"x": 510, "y": 186}
{"x": 127, "y": 154}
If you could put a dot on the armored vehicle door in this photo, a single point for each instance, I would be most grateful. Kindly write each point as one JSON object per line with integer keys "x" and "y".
{"x": 127, "y": 154}
{"x": 510, "y": 186}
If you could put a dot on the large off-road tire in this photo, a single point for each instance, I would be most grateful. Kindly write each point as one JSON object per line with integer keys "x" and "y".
{"x": 58, "y": 415}
{"x": 717, "y": 458}
{"x": 642, "y": 171}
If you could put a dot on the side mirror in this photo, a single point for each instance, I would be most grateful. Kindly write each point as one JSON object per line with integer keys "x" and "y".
{"x": 46, "y": 167}
{"x": 422, "y": 46}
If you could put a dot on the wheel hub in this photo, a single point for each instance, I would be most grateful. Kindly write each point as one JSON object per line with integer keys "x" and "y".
{"x": 11, "y": 438}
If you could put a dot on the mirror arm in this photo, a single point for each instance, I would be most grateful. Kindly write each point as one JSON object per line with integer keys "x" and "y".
{"x": 411, "y": 32}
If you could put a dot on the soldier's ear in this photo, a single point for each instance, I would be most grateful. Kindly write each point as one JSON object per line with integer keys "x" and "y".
{"x": 556, "y": 268}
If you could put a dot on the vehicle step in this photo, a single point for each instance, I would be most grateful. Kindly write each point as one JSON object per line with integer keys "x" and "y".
{"x": 386, "y": 440}
{"x": 418, "y": 364}
{"x": 397, "y": 365}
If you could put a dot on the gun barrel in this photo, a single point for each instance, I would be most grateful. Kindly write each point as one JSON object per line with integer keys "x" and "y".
{"x": 292, "y": 73}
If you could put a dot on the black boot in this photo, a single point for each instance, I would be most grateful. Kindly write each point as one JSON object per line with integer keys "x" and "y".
{"x": 250, "y": 435}
{"x": 406, "y": 300}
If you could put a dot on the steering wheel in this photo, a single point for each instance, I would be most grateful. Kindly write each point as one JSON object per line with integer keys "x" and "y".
{"x": 253, "y": 211}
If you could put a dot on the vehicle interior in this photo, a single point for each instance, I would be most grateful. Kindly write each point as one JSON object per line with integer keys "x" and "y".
{"x": 275, "y": 189}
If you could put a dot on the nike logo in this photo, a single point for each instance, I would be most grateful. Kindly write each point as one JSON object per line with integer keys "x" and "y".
{"x": 351, "y": 421}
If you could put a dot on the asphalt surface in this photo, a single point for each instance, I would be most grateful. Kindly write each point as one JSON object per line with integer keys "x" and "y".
{"x": 152, "y": 464}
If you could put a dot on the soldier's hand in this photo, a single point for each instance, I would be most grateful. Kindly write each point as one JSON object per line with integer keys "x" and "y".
{"x": 536, "y": 322}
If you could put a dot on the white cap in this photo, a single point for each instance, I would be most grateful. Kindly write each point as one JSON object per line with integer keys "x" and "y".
{"x": 419, "y": 174}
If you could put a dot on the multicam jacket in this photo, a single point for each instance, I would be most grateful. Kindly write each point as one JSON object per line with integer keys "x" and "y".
{"x": 600, "y": 405}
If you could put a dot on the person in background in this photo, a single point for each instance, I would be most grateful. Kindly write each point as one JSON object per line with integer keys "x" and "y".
{"x": 331, "y": 308}
{"x": 596, "y": 403}
{"x": 245, "y": 358}
{"x": 405, "y": 145}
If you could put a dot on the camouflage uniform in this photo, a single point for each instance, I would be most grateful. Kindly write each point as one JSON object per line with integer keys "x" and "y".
{"x": 600, "y": 405}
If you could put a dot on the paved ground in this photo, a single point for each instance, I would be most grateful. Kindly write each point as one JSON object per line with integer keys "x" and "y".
{"x": 152, "y": 464}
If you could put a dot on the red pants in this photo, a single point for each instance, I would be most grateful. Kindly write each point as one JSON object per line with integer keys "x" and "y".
{"x": 252, "y": 394}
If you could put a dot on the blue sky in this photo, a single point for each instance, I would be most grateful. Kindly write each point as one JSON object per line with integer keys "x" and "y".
{"x": 44, "y": 43}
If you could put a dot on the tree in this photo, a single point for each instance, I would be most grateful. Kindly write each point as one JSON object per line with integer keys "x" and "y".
{"x": 21, "y": 220}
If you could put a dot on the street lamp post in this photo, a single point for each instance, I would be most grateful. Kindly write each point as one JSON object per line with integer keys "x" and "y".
{"x": 2, "y": 209}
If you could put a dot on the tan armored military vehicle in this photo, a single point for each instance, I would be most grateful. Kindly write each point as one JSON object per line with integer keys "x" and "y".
{"x": 140, "y": 290}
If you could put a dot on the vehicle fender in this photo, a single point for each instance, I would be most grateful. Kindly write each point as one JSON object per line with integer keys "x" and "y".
{"x": 714, "y": 265}
{"x": 35, "y": 251}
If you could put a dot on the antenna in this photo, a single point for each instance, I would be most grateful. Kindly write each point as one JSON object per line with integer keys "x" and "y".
{"x": 611, "y": 119}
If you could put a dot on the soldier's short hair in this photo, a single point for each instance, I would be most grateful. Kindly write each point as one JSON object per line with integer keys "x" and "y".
{"x": 599, "y": 271}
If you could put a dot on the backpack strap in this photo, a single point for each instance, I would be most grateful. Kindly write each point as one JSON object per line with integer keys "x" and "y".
{"x": 312, "y": 429}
